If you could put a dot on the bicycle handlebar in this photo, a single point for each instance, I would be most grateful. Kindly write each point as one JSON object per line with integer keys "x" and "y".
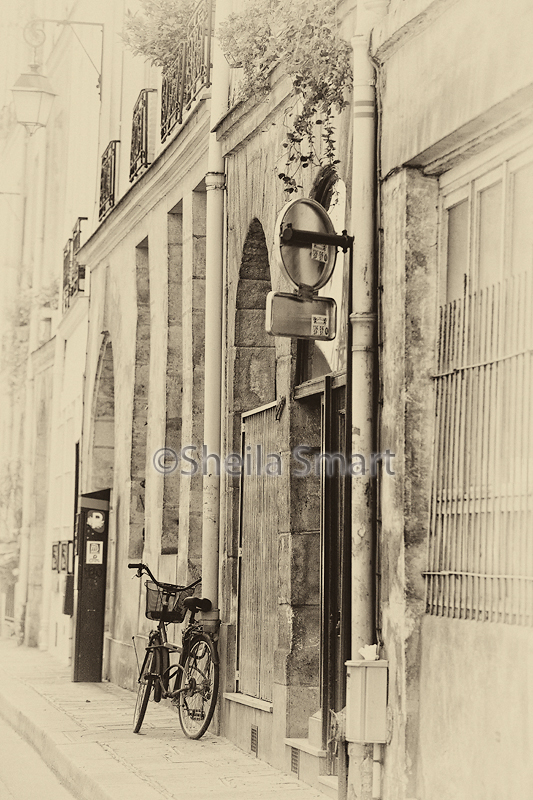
{"x": 172, "y": 586}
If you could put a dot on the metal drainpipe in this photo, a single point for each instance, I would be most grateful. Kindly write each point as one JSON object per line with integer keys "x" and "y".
{"x": 364, "y": 323}
{"x": 22, "y": 586}
{"x": 215, "y": 181}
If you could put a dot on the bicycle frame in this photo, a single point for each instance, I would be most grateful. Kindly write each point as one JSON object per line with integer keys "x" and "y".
{"x": 172, "y": 670}
{"x": 191, "y": 684}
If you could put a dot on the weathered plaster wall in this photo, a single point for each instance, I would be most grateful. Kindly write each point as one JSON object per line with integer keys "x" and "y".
{"x": 456, "y": 76}
{"x": 452, "y": 63}
{"x": 476, "y": 695}
{"x": 459, "y": 692}
{"x": 38, "y": 561}
{"x": 407, "y": 331}
{"x": 56, "y": 632}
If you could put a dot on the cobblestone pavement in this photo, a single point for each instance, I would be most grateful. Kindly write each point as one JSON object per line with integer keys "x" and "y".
{"x": 83, "y": 731}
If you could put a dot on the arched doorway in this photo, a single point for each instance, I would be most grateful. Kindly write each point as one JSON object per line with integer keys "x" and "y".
{"x": 254, "y": 402}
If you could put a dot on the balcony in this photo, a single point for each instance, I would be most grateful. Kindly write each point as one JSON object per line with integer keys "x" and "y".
{"x": 141, "y": 153}
{"x": 192, "y": 71}
{"x": 73, "y": 273}
{"x": 108, "y": 178}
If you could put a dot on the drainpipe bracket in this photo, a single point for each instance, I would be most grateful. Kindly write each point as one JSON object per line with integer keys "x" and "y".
{"x": 363, "y": 327}
{"x": 215, "y": 180}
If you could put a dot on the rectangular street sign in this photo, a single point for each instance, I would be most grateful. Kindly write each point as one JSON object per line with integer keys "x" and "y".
{"x": 301, "y": 318}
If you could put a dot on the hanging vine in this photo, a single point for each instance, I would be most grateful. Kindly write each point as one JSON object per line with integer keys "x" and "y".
{"x": 302, "y": 36}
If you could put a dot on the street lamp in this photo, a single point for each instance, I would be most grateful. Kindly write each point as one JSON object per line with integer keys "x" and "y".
{"x": 33, "y": 93}
{"x": 33, "y": 97}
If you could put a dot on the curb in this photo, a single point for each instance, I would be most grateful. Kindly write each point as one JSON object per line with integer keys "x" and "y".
{"x": 48, "y": 745}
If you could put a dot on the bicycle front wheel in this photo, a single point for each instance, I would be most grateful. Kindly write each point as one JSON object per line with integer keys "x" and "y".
{"x": 198, "y": 685}
{"x": 146, "y": 681}
{"x": 162, "y": 665}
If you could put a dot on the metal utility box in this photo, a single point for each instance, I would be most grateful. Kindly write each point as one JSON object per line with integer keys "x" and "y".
{"x": 91, "y": 586}
{"x": 366, "y": 701}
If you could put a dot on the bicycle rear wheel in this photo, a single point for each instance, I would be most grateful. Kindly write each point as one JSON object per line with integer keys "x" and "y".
{"x": 198, "y": 685}
{"x": 146, "y": 681}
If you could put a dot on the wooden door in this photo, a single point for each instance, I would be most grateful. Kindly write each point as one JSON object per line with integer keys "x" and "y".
{"x": 258, "y": 555}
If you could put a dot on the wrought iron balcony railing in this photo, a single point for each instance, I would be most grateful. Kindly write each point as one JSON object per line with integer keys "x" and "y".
{"x": 108, "y": 178}
{"x": 73, "y": 272}
{"x": 141, "y": 153}
{"x": 192, "y": 70}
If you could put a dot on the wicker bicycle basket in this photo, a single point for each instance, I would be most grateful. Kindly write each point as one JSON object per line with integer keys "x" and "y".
{"x": 157, "y": 599}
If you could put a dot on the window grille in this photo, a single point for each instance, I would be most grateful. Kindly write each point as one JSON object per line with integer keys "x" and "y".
{"x": 480, "y": 555}
{"x": 191, "y": 72}
{"x": 141, "y": 154}
{"x": 108, "y": 178}
{"x": 73, "y": 272}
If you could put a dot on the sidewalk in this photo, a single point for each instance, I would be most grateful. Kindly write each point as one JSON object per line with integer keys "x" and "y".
{"x": 83, "y": 731}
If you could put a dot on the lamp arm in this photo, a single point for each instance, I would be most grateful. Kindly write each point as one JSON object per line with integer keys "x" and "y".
{"x": 30, "y": 30}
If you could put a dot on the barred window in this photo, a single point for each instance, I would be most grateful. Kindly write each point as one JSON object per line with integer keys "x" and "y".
{"x": 480, "y": 554}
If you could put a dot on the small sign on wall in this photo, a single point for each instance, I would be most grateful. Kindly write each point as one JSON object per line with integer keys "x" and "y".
{"x": 94, "y": 553}
{"x": 63, "y": 557}
{"x": 55, "y": 557}
{"x": 300, "y": 317}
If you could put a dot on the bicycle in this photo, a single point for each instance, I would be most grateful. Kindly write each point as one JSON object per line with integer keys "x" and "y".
{"x": 196, "y": 675}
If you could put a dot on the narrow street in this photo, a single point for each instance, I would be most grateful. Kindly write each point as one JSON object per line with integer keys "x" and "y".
{"x": 23, "y": 774}
{"x": 266, "y": 429}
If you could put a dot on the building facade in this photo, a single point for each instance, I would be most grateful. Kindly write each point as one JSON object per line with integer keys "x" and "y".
{"x": 166, "y": 189}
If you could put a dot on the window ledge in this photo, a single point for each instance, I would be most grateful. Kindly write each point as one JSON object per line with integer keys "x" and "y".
{"x": 247, "y": 700}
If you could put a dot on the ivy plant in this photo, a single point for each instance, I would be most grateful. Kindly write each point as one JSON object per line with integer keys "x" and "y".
{"x": 302, "y": 36}
{"x": 157, "y": 30}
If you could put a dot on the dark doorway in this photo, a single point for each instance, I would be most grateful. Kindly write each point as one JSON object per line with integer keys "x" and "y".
{"x": 329, "y": 395}
{"x": 335, "y": 572}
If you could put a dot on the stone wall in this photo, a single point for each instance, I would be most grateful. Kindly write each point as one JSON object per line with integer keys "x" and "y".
{"x": 407, "y": 331}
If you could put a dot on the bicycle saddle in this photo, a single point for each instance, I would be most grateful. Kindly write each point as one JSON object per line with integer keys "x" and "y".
{"x": 197, "y": 604}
